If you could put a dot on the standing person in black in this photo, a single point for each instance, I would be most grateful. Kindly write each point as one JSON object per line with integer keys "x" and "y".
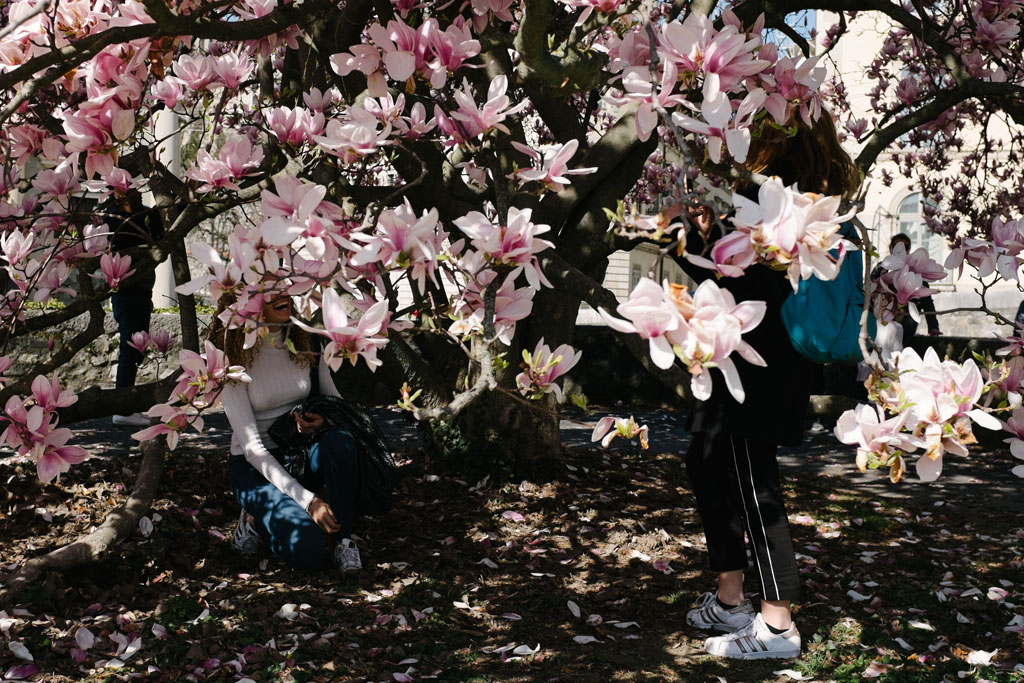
{"x": 132, "y": 224}
{"x": 732, "y": 460}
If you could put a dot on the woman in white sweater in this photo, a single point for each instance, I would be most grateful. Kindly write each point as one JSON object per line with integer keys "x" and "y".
{"x": 300, "y": 527}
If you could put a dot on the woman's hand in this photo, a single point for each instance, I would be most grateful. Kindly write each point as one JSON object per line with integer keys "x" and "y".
{"x": 308, "y": 423}
{"x": 322, "y": 514}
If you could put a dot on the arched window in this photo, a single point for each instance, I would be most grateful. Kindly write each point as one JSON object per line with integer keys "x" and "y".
{"x": 910, "y": 221}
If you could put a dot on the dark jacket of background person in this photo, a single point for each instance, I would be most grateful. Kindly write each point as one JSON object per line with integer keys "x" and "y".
{"x": 777, "y": 394}
{"x": 135, "y": 226}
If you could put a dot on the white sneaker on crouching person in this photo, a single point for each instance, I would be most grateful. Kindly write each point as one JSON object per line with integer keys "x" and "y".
{"x": 245, "y": 539}
{"x": 756, "y": 641}
{"x": 346, "y": 556}
{"x": 710, "y": 615}
{"x": 133, "y": 420}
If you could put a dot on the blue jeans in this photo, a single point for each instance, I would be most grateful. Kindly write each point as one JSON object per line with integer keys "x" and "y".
{"x": 289, "y": 531}
{"x": 131, "y": 313}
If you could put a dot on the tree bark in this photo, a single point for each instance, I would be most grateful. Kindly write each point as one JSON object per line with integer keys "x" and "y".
{"x": 94, "y": 546}
{"x": 499, "y": 433}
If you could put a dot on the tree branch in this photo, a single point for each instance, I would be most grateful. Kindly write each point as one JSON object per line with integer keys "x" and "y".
{"x": 117, "y": 525}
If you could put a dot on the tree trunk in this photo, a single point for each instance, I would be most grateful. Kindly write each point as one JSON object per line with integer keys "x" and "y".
{"x": 498, "y": 433}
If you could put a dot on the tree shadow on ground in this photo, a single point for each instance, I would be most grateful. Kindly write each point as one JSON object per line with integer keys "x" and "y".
{"x": 464, "y": 579}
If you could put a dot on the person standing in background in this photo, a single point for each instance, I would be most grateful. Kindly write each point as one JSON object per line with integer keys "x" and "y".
{"x": 132, "y": 224}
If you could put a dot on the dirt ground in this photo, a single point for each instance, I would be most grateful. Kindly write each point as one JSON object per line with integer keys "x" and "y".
{"x": 583, "y": 576}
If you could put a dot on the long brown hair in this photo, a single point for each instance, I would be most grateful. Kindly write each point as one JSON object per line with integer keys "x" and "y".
{"x": 231, "y": 341}
{"x": 820, "y": 163}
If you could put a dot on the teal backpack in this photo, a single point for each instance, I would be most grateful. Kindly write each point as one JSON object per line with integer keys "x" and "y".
{"x": 823, "y": 316}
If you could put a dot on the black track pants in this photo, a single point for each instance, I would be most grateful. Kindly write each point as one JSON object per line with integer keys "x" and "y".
{"x": 736, "y": 482}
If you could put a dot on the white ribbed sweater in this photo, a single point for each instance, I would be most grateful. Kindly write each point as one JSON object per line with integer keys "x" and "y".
{"x": 278, "y": 384}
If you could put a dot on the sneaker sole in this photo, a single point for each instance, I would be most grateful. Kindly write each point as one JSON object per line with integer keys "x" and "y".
{"x": 754, "y": 655}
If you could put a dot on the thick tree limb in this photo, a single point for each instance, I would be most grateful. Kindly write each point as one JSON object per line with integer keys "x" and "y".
{"x": 880, "y": 139}
{"x": 96, "y": 402}
{"x": 118, "y": 524}
{"x": 565, "y": 276}
{"x": 574, "y": 72}
{"x": 62, "y": 356}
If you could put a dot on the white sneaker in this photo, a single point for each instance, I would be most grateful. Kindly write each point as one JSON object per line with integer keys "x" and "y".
{"x": 133, "y": 420}
{"x": 756, "y": 641}
{"x": 245, "y": 539}
{"x": 346, "y": 556}
{"x": 709, "y": 615}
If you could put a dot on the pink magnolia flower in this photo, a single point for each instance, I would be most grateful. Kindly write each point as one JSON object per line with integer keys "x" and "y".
{"x": 351, "y": 339}
{"x": 731, "y": 255}
{"x": 627, "y": 429}
{"x": 231, "y": 69}
{"x": 140, "y": 341}
{"x": 515, "y": 243}
{"x": 160, "y": 340}
{"x": 793, "y": 231}
{"x": 552, "y": 168}
{"x": 941, "y": 396}
{"x": 479, "y": 120}
{"x": 353, "y": 135}
{"x": 730, "y": 57}
{"x": 401, "y": 240}
{"x": 415, "y": 125}
{"x": 115, "y": 268}
{"x": 649, "y": 313}
{"x": 170, "y": 91}
{"x": 49, "y": 395}
{"x": 917, "y": 261}
{"x": 17, "y": 246}
{"x": 543, "y": 367}
{"x": 1015, "y": 426}
{"x": 173, "y": 420}
{"x": 451, "y": 48}
{"x": 879, "y": 441}
{"x": 405, "y": 49}
{"x": 722, "y": 126}
{"x": 53, "y": 457}
{"x": 907, "y": 91}
{"x": 710, "y": 332}
{"x": 366, "y": 60}
{"x": 793, "y": 85}
{"x": 237, "y": 158}
{"x": 289, "y": 212}
{"x": 294, "y": 126}
{"x": 637, "y": 86}
{"x": 195, "y": 71}
{"x": 319, "y": 101}
{"x": 510, "y": 304}
{"x": 484, "y": 10}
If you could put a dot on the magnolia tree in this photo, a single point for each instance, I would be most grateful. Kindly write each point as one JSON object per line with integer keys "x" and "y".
{"x": 471, "y": 153}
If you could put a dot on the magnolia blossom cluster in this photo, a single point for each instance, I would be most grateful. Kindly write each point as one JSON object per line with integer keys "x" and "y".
{"x": 32, "y": 429}
{"x": 902, "y": 279}
{"x": 784, "y": 229}
{"x": 198, "y": 387}
{"x": 1003, "y": 253}
{"x": 930, "y": 405}
{"x": 702, "y": 331}
{"x": 736, "y": 74}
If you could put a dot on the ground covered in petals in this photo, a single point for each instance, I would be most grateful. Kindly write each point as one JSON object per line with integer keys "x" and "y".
{"x": 584, "y": 575}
